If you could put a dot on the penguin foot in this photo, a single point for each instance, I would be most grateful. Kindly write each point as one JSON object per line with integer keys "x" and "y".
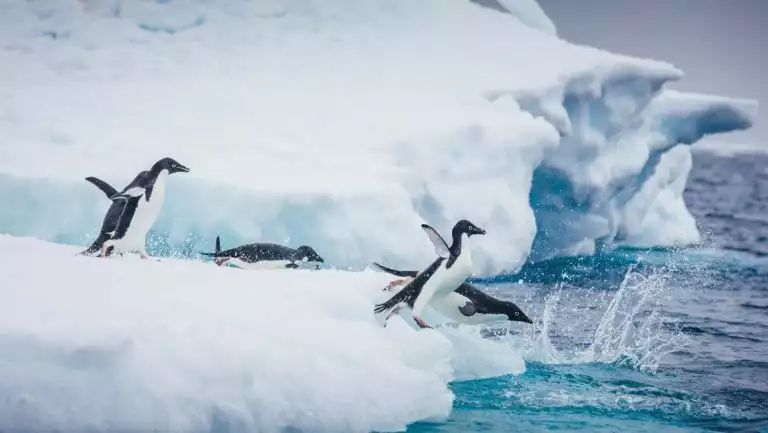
{"x": 394, "y": 283}
{"x": 422, "y": 324}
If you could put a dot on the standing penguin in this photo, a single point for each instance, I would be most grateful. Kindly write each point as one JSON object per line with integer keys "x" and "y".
{"x": 143, "y": 200}
{"x": 442, "y": 277}
{"x": 109, "y": 224}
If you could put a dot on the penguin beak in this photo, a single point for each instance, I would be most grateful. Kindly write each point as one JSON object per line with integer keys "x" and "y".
{"x": 182, "y": 169}
{"x": 517, "y": 315}
{"x": 477, "y": 231}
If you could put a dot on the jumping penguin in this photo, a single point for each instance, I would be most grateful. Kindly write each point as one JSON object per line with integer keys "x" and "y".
{"x": 264, "y": 256}
{"x": 468, "y": 304}
{"x": 143, "y": 198}
{"x": 452, "y": 267}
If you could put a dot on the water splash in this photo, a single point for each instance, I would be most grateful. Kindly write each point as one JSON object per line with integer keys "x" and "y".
{"x": 630, "y": 332}
{"x": 542, "y": 349}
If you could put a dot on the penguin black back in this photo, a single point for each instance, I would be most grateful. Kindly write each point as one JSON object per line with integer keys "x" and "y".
{"x": 112, "y": 217}
{"x": 411, "y": 291}
{"x": 256, "y": 252}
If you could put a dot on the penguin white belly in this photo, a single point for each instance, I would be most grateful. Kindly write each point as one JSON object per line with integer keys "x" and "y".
{"x": 144, "y": 218}
{"x": 262, "y": 265}
{"x": 453, "y": 277}
{"x": 444, "y": 281}
{"x": 448, "y": 306}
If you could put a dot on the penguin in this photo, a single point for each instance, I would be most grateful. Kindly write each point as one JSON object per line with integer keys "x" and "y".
{"x": 467, "y": 304}
{"x": 452, "y": 267}
{"x": 113, "y": 214}
{"x": 143, "y": 199}
{"x": 263, "y": 256}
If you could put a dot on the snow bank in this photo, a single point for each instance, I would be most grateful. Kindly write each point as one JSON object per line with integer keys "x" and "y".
{"x": 342, "y": 125}
{"x": 133, "y": 345}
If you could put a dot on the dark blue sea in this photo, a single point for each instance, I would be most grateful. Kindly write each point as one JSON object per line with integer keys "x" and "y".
{"x": 644, "y": 340}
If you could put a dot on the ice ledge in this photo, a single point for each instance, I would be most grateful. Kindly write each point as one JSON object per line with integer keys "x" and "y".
{"x": 609, "y": 176}
{"x": 686, "y": 118}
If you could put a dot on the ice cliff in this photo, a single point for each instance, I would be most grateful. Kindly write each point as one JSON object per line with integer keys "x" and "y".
{"x": 344, "y": 125}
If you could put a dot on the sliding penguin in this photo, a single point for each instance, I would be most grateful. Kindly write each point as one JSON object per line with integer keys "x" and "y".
{"x": 442, "y": 277}
{"x": 143, "y": 198}
{"x": 113, "y": 213}
{"x": 264, "y": 256}
{"x": 468, "y": 304}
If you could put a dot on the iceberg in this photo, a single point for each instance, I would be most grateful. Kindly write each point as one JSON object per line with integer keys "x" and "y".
{"x": 134, "y": 345}
{"x": 344, "y": 125}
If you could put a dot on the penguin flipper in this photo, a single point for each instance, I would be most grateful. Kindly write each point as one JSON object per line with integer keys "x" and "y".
{"x": 395, "y": 272}
{"x": 468, "y": 309}
{"x": 129, "y": 193}
{"x": 125, "y": 218}
{"x": 441, "y": 247}
{"x": 106, "y": 188}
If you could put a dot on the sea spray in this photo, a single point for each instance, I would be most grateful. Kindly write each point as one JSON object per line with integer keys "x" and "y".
{"x": 630, "y": 331}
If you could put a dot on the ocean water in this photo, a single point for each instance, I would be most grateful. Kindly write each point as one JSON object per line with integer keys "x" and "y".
{"x": 642, "y": 340}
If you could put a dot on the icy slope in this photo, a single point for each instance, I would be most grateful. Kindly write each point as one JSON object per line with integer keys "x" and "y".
{"x": 342, "y": 125}
{"x": 89, "y": 343}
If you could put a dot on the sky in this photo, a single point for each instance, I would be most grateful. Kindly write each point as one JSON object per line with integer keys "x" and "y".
{"x": 720, "y": 45}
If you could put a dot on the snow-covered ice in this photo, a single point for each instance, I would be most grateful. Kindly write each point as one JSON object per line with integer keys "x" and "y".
{"x": 344, "y": 125}
{"x": 333, "y": 123}
{"x": 135, "y": 345}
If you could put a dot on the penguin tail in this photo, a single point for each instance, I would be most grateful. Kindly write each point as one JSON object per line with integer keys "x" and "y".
{"x": 217, "y": 250}
{"x": 96, "y": 245}
{"x": 106, "y": 188}
{"x": 395, "y": 272}
{"x": 405, "y": 296}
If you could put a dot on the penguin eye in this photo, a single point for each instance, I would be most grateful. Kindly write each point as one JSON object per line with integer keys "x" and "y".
{"x": 516, "y": 313}
{"x": 173, "y": 165}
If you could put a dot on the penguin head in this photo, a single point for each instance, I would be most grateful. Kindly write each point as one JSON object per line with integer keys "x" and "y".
{"x": 515, "y": 314}
{"x": 307, "y": 254}
{"x": 466, "y": 227}
{"x": 171, "y": 165}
